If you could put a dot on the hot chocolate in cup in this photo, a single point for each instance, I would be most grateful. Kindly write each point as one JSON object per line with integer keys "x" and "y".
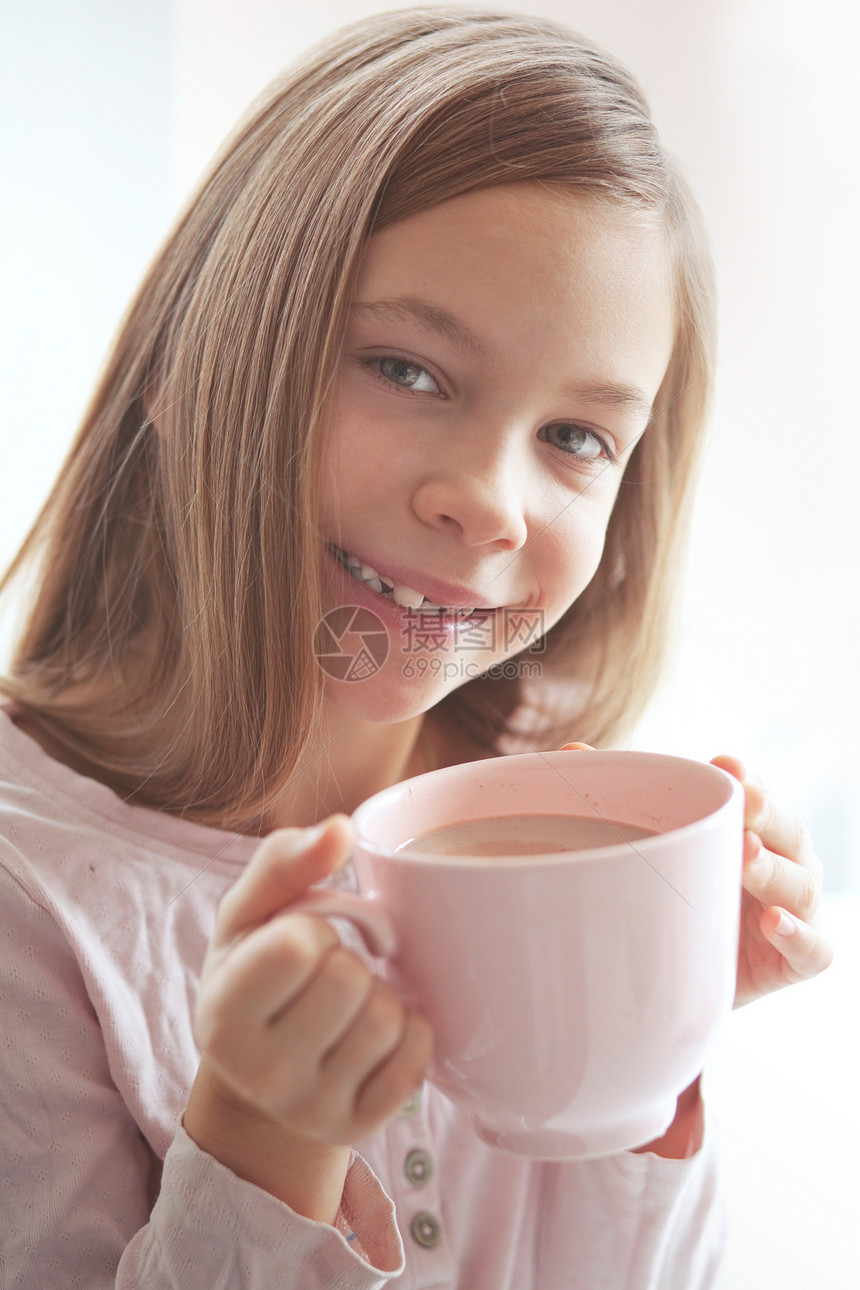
{"x": 574, "y": 989}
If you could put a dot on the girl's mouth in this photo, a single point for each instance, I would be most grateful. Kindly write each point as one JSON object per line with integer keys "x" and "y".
{"x": 398, "y": 593}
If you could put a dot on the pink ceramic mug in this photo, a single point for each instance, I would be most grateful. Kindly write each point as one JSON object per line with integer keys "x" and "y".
{"x": 573, "y": 995}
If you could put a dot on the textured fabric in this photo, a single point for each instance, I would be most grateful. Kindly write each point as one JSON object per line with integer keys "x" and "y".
{"x": 106, "y": 913}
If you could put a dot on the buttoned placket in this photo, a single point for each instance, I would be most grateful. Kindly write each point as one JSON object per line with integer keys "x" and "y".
{"x": 415, "y": 1183}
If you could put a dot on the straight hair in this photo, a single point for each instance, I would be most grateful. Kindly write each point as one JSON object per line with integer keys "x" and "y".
{"x": 168, "y": 637}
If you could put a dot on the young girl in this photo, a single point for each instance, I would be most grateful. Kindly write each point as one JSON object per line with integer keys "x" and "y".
{"x": 432, "y": 343}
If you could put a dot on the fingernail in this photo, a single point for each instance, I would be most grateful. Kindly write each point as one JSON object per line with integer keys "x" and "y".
{"x": 786, "y": 925}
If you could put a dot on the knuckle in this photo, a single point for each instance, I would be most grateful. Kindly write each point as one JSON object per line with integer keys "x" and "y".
{"x": 395, "y": 1079}
{"x": 383, "y": 1017}
{"x": 756, "y": 801}
{"x": 766, "y": 869}
{"x": 798, "y": 837}
{"x": 315, "y": 929}
{"x": 806, "y": 899}
{"x": 345, "y": 973}
{"x": 302, "y": 940}
{"x": 292, "y": 959}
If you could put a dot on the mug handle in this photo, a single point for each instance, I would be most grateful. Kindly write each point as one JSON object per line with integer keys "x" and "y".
{"x": 364, "y": 912}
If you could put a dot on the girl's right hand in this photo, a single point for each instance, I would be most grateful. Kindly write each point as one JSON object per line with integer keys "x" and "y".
{"x": 304, "y": 1050}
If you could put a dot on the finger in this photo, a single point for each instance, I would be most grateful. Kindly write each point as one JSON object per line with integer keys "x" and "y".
{"x": 375, "y": 1034}
{"x": 275, "y": 1063}
{"x": 395, "y": 1080}
{"x": 576, "y": 748}
{"x": 385, "y": 1045}
{"x": 264, "y": 970}
{"x": 774, "y": 880}
{"x": 286, "y": 863}
{"x": 732, "y": 765}
{"x": 319, "y": 1016}
{"x": 806, "y": 950}
{"x": 779, "y": 829}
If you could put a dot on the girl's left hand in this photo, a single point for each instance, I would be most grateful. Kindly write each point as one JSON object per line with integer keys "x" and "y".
{"x": 779, "y": 941}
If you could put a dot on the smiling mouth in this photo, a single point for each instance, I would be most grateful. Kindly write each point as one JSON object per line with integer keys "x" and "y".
{"x": 398, "y": 593}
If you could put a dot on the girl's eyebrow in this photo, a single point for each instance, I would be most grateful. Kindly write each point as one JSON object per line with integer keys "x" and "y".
{"x": 430, "y": 317}
{"x": 439, "y": 322}
{"x": 616, "y": 396}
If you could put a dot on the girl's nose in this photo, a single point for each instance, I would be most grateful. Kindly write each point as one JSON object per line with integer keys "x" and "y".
{"x": 485, "y": 508}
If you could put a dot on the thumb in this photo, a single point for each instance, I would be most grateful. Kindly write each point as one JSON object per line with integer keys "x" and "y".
{"x": 285, "y": 864}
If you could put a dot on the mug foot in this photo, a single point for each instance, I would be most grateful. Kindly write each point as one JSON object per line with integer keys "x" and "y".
{"x": 546, "y": 1143}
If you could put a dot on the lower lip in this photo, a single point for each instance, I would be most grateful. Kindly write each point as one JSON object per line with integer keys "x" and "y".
{"x": 394, "y": 615}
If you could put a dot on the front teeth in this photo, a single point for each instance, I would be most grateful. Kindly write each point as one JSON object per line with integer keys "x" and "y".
{"x": 405, "y": 597}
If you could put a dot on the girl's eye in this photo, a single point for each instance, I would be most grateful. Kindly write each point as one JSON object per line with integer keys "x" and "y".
{"x": 406, "y": 375}
{"x": 576, "y": 440}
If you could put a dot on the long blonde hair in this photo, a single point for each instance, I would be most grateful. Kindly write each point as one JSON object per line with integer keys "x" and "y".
{"x": 168, "y": 642}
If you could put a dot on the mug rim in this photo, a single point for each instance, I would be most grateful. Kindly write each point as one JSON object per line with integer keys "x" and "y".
{"x": 706, "y": 822}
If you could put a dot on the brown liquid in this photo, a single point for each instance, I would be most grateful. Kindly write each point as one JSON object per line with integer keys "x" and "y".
{"x": 520, "y": 835}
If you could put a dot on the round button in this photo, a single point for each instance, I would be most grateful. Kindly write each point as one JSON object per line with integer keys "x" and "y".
{"x": 418, "y": 1167}
{"x": 412, "y": 1107}
{"x": 426, "y": 1230}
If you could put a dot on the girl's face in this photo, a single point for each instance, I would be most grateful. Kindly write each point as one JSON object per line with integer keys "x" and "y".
{"x": 503, "y": 353}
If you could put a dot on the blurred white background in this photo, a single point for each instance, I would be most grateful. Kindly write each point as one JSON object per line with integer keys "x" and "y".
{"x": 110, "y": 111}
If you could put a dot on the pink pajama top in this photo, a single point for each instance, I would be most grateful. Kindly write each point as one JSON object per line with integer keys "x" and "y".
{"x": 106, "y": 912}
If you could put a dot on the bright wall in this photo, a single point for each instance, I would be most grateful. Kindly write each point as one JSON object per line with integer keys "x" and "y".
{"x": 109, "y": 112}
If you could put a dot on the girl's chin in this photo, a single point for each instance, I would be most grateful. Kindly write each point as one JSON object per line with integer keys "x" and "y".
{"x": 387, "y": 664}
{"x": 391, "y": 694}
